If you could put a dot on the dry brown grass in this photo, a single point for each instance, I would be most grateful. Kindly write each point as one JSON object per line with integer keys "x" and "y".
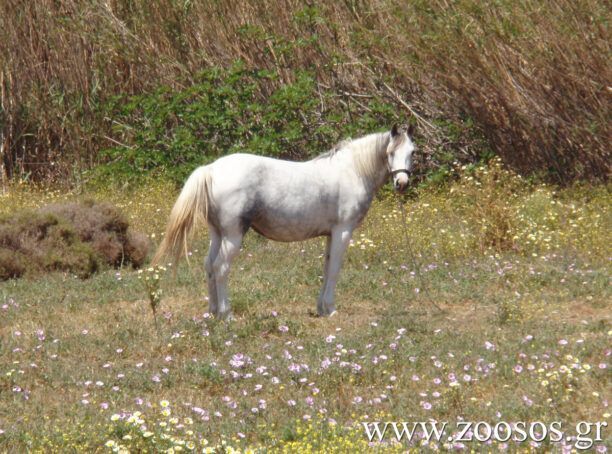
{"x": 78, "y": 238}
{"x": 533, "y": 76}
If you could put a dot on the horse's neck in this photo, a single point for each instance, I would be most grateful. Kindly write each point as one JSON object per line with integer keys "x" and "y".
{"x": 365, "y": 156}
{"x": 375, "y": 156}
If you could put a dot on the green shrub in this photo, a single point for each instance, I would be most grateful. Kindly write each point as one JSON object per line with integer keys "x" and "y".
{"x": 530, "y": 77}
{"x": 173, "y": 131}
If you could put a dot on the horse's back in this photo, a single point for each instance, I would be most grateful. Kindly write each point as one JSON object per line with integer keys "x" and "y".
{"x": 282, "y": 200}
{"x": 243, "y": 170}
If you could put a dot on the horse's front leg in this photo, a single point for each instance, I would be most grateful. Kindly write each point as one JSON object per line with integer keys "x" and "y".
{"x": 320, "y": 305}
{"x": 339, "y": 241}
{"x": 213, "y": 252}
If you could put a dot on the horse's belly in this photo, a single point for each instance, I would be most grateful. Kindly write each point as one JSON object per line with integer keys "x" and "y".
{"x": 286, "y": 228}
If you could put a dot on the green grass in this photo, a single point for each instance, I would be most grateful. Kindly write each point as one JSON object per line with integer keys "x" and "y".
{"x": 74, "y": 352}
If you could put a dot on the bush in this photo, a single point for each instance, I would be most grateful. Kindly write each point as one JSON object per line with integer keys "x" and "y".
{"x": 12, "y": 264}
{"x": 529, "y": 76}
{"x": 77, "y": 238}
{"x": 171, "y": 131}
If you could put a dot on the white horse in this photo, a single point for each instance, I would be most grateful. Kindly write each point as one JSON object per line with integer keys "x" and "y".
{"x": 286, "y": 201}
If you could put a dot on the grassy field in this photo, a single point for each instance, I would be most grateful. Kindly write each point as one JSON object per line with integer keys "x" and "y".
{"x": 508, "y": 320}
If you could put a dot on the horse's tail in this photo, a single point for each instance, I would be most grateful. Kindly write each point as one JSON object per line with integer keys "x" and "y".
{"x": 191, "y": 206}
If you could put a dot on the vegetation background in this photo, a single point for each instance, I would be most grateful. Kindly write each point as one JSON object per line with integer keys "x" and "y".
{"x": 160, "y": 85}
{"x": 496, "y": 309}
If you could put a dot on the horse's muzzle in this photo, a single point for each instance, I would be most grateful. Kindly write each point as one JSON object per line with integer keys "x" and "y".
{"x": 400, "y": 186}
{"x": 400, "y": 179}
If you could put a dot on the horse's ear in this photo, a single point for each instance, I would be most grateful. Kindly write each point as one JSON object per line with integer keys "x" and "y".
{"x": 394, "y": 130}
{"x": 411, "y": 129}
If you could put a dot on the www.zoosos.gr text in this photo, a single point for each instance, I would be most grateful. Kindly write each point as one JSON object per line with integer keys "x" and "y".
{"x": 583, "y": 434}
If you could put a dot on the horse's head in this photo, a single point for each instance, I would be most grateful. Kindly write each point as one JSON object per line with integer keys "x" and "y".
{"x": 399, "y": 155}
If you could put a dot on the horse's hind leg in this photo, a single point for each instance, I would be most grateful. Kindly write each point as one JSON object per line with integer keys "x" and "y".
{"x": 230, "y": 246}
{"x": 213, "y": 252}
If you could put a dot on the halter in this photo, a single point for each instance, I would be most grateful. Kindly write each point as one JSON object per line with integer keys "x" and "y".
{"x": 396, "y": 171}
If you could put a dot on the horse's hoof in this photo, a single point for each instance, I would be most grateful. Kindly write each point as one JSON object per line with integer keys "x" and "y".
{"x": 326, "y": 314}
{"x": 226, "y": 316}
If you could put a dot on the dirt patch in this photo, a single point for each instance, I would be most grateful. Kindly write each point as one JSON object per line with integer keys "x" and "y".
{"x": 577, "y": 311}
{"x": 80, "y": 238}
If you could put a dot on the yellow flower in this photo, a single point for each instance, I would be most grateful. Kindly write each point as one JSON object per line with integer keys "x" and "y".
{"x": 164, "y": 403}
{"x": 109, "y": 443}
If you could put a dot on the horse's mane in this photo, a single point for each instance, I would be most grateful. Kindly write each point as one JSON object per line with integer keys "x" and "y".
{"x": 366, "y": 152}
{"x": 335, "y": 149}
